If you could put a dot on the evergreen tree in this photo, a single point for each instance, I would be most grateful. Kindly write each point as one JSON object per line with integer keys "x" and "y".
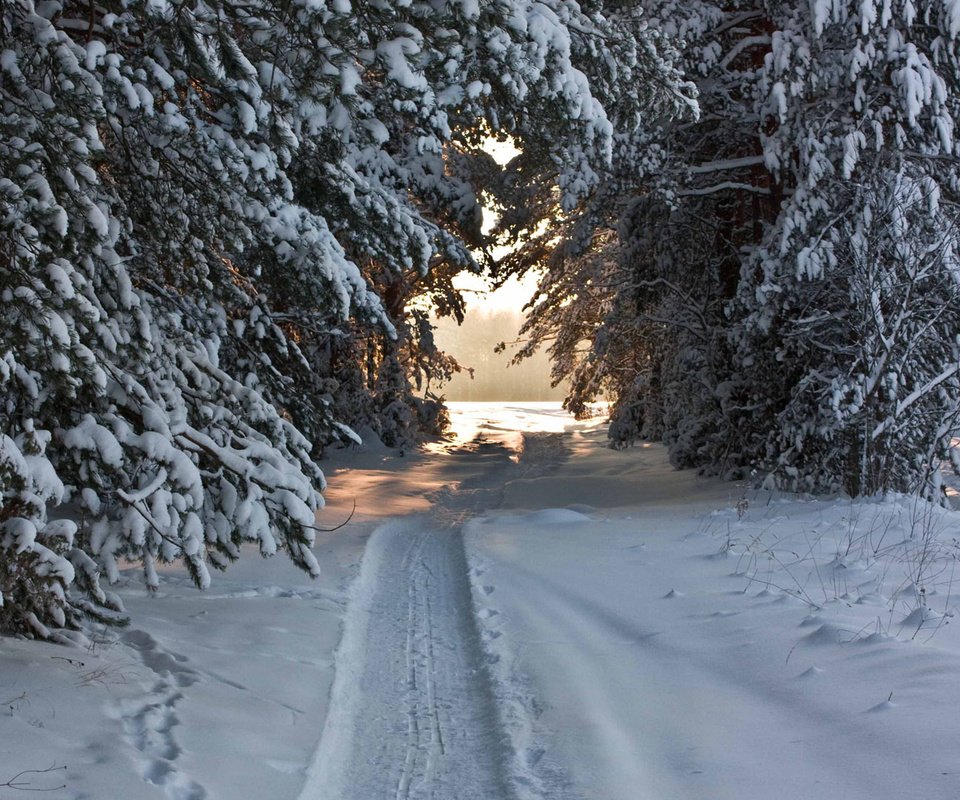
{"x": 748, "y": 309}
{"x": 215, "y": 217}
{"x": 854, "y": 291}
{"x": 637, "y": 276}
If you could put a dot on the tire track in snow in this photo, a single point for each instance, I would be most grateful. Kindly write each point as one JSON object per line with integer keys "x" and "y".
{"x": 412, "y": 716}
{"x": 412, "y": 713}
{"x": 584, "y": 638}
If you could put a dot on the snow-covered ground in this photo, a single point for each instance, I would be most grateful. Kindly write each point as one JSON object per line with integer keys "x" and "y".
{"x": 524, "y": 613}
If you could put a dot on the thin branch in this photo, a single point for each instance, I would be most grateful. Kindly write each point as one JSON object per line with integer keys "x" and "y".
{"x": 725, "y": 186}
{"x": 24, "y": 786}
{"x": 335, "y": 527}
{"x": 726, "y": 164}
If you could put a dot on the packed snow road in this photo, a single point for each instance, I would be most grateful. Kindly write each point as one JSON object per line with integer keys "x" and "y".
{"x": 524, "y": 614}
{"x": 572, "y": 623}
{"x": 414, "y": 717}
{"x": 413, "y": 714}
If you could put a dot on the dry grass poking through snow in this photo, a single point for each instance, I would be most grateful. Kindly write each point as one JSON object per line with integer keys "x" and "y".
{"x": 887, "y": 568}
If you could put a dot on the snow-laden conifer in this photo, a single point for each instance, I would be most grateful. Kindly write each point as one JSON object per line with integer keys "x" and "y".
{"x": 781, "y": 294}
{"x": 201, "y": 207}
{"x": 853, "y": 294}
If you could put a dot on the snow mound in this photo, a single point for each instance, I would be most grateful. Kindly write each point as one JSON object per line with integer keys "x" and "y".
{"x": 545, "y": 516}
{"x": 370, "y": 442}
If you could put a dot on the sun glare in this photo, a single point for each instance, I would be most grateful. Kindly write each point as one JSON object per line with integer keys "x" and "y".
{"x": 502, "y": 151}
{"x": 481, "y": 300}
{"x": 494, "y": 316}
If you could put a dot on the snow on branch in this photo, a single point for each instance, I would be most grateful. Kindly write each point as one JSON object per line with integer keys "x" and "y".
{"x": 725, "y": 186}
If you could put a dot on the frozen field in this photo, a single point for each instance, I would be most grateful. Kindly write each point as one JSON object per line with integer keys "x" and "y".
{"x": 524, "y": 613}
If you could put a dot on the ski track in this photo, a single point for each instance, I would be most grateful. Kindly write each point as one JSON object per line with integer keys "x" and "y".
{"x": 413, "y": 714}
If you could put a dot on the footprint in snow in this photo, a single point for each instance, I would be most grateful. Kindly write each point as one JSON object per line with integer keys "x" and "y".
{"x": 534, "y": 755}
{"x": 165, "y": 663}
{"x": 148, "y": 724}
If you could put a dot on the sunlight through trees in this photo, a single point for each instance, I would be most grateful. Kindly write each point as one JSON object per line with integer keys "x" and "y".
{"x": 215, "y": 219}
{"x": 228, "y": 230}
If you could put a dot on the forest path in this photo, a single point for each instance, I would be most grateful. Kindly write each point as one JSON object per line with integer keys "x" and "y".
{"x": 412, "y": 714}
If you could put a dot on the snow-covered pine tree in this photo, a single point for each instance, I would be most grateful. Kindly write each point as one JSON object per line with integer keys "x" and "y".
{"x": 142, "y": 170}
{"x": 777, "y": 236}
{"x": 199, "y": 203}
{"x": 707, "y": 204}
{"x": 632, "y": 302}
{"x": 854, "y": 296}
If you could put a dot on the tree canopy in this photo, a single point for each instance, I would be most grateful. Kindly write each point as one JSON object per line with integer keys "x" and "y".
{"x": 225, "y": 226}
{"x": 772, "y": 288}
{"x": 215, "y": 219}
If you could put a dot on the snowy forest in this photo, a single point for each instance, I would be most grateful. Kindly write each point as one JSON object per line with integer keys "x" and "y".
{"x": 226, "y": 225}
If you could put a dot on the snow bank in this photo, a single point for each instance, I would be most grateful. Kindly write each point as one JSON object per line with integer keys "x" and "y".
{"x": 703, "y": 641}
